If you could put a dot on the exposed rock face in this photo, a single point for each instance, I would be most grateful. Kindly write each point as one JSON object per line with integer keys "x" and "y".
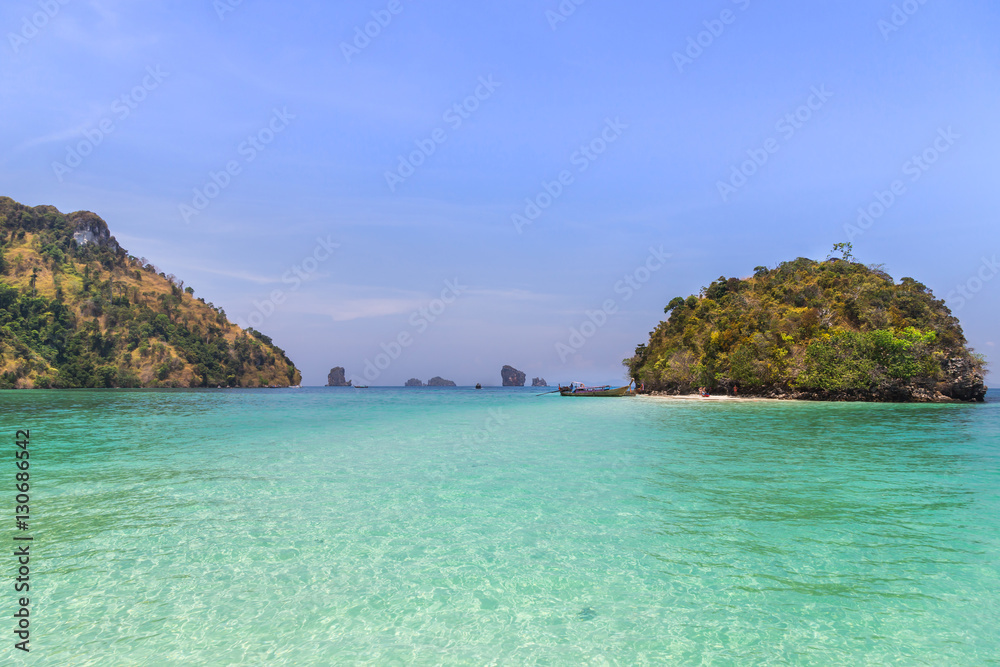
{"x": 91, "y": 228}
{"x": 440, "y": 382}
{"x": 539, "y": 382}
{"x": 336, "y": 378}
{"x": 512, "y": 377}
{"x": 964, "y": 383}
{"x": 413, "y": 382}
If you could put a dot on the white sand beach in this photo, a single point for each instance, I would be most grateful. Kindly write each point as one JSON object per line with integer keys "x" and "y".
{"x": 707, "y": 399}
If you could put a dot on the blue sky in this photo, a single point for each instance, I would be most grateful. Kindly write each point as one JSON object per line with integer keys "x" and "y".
{"x": 245, "y": 147}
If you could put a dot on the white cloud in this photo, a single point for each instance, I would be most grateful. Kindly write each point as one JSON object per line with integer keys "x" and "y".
{"x": 356, "y": 309}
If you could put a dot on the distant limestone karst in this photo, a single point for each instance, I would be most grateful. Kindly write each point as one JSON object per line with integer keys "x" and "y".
{"x": 413, "y": 382}
{"x": 336, "y": 378}
{"x": 539, "y": 382}
{"x": 512, "y": 377}
{"x": 440, "y": 382}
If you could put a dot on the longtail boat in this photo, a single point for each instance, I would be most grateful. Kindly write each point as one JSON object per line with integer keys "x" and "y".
{"x": 580, "y": 389}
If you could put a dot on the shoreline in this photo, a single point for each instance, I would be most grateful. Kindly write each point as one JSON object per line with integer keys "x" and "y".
{"x": 715, "y": 398}
{"x": 790, "y": 399}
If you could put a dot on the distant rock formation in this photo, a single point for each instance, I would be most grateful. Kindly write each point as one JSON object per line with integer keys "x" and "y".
{"x": 512, "y": 377}
{"x": 336, "y": 378}
{"x": 539, "y": 382}
{"x": 440, "y": 382}
{"x": 413, "y": 382}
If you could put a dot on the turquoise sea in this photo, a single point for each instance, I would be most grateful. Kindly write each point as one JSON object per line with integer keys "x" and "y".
{"x": 494, "y": 527}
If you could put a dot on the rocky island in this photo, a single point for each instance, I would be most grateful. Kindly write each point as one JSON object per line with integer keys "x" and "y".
{"x": 440, "y": 382}
{"x": 835, "y": 330}
{"x": 337, "y": 378}
{"x": 78, "y": 311}
{"x": 413, "y": 382}
{"x": 512, "y": 377}
{"x": 539, "y": 382}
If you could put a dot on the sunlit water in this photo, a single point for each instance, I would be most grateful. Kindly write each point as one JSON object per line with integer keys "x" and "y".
{"x": 453, "y": 526}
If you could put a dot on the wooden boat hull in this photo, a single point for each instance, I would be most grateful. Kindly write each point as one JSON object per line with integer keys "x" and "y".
{"x": 596, "y": 392}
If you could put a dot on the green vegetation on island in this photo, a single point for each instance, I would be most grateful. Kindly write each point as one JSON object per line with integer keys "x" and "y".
{"x": 831, "y": 330}
{"x": 76, "y": 310}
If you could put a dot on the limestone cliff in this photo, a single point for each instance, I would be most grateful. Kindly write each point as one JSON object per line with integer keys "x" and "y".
{"x": 337, "y": 378}
{"x": 512, "y": 377}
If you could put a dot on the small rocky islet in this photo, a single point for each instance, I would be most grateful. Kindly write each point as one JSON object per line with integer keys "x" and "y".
{"x": 337, "y": 378}
{"x": 512, "y": 377}
{"x": 833, "y": 330}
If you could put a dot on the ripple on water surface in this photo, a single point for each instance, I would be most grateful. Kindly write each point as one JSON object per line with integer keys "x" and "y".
{"x": 448, "y": 526}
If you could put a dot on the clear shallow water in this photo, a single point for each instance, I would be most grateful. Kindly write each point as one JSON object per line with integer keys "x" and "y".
{"x": 439, "y": 526}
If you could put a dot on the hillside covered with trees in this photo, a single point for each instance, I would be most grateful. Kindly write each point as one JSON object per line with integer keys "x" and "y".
{"x": 831, "y": 330}
{"x": 76, "y": 310}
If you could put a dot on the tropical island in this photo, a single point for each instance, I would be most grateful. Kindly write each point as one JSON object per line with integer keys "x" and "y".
{"x": 833, "y": 330}
{"x": 77, "y": 311}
